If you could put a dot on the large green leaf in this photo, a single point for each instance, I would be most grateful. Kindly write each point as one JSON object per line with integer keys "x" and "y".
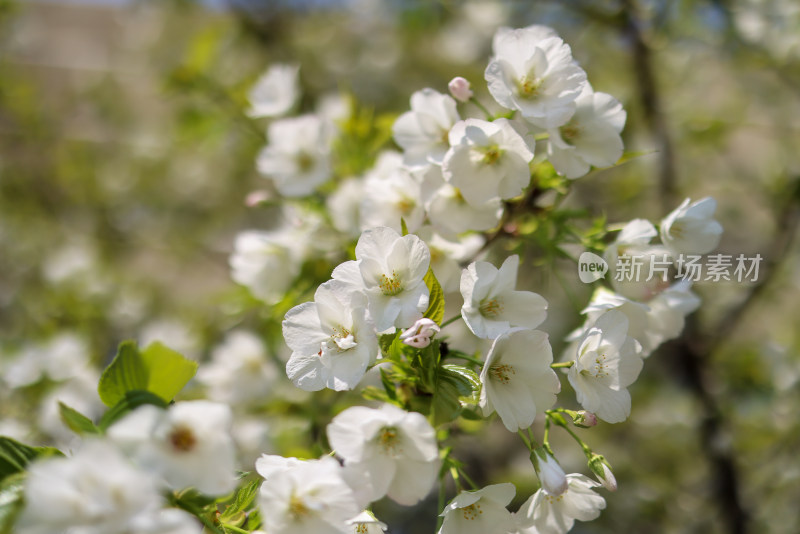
{"x": 435, "y": 309}
{"x": 15, "y": 456}
{"x": 157, "y": 369}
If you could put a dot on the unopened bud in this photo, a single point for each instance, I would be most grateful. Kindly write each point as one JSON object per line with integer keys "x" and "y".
{"x": 602, "y": 471}
{"x": 420, "y": 333}
{"x": 550, "y": 473}
{"x": 584, "y": 419}
{"x": 254, "y": 198}
{"x": 459, "y": 88}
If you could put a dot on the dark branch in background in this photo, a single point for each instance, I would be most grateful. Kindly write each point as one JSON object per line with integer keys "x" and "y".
{"x": 692, "y": 350}
{"x": 650, "y": 101}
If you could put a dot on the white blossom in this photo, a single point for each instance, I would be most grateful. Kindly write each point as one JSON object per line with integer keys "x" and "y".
{"x": 480, "y": 512}
{"x": 264, "y": 263}
{"x": 388, "y": 450}
{"x": 275, "y": 92}
{"x": 387, "y": 199}
{"x": 631, "y": 258}
{"x": 297, "y": 158}
{"x": 607, "y": 362}
{"x": 450, "y": 214}
{"x": 691, "y": 228}
{"x": 492, "y": 305}
{"x": 332, "y": 340}
{"x": 422, "y": 132}
{"x": 307, "y": 498}
{"x": 548, "y": 514}
{"x": 447, "y": 255}
{"x": 239, "y": 370}
{"x": 60, "y": 358}
{"x": 390, "y": 270}
{"x": 344, "y": 206}
{"x": 517, "y": 379}
{"x": 95, "y": 491}
{"x": 188, "y": 445}
{"x": 590, "y": 138}
{"x": 487, "y": 160}
{"x": 366, "y": 523}
{"x": 533, "y": 71}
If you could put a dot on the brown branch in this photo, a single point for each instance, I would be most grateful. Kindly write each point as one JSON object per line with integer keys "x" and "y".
{"x": 650, "y": 101}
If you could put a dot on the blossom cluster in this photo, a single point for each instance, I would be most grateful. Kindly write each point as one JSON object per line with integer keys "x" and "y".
{"x": 424, "y": 217}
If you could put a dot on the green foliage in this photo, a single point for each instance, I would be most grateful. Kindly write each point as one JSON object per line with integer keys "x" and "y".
{"x": 15, "y": 456}
{"x": 362, "y": 136}
{"x": 157, "y": 369}
{"x": 235, "y": 513}
{"x": 435, "y": 309}
{"x": 76, "y": 421}
{"x": 453, "y": 382}
{"x": 129, "y": 402}
{"x": 12, "y": 490}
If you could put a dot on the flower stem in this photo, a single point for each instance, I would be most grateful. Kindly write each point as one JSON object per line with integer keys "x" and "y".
{"x": 481, "y": 107}
{"x": 562, "y": 365}
{"x": 234, "y": 529}
{"x": 440, "y": 519}
{"x": 456, "y": 479}
{"x": 525, "y": 440}
{"x": 468, "y": 479}
{"x": 586, "y": 449}
{"x": 451, "y": 320}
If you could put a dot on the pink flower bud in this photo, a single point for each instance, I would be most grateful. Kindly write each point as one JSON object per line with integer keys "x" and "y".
{"x": 585, "y": 419}
{"x": 459, "y": 88}
{"x": 420, "y": 334}
{"x": 254, "y": 198}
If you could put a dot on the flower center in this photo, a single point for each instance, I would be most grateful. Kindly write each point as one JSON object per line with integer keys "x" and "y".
{"x": 502, "y": 373}
{"x": 552, "y": 499}
{"x": 182, "y": 438}
{"x": 297, "y": 508}
{"x": 304, "y": 161}
{"x": 389, "y": 440}
{"x": 472, "y": 511}
{"x": 391, "y": 286}
{"x": 528, "y": 87}
{"x": 405, "y": 205}
{"x": 597, "y": 367}
{"x": 491, "y": 308}
{"x": 343, "y": 338}
{"x": 570, "y": 133}
{"x": 491, "y": 155}
{"x": 361, "y": 527}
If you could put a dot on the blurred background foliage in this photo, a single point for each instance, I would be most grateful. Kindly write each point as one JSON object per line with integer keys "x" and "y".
{"x": 126, "y": 156}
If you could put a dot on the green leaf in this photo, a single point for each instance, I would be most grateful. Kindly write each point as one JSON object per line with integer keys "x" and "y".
{"x": 466, "y": 380}
{"x": 15, "y": 456}
{"x": 445, "y": 407}
{"x": 435, "y": 309}
{"x": 403, "y": 226}
{"x": 76, "y": 421}
{"x": 12, "y": 490}
{"x": 241, "y": 501}
{"x": 157, "y": 369}
{"x": 452, "y": 383}
{"x": 388, "y": 385}
{"x": 129, "y": 402}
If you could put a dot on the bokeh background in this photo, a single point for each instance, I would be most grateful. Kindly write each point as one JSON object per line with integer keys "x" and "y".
{"x": 126, "y": 158}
